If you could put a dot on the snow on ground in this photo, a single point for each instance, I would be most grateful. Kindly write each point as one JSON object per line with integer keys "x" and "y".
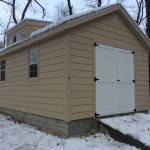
{"x": 24, "y": 137}
{"x": 137, "y": 125}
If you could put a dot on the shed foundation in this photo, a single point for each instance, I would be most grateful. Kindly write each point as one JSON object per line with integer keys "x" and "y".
{"x": 61, "y": 127}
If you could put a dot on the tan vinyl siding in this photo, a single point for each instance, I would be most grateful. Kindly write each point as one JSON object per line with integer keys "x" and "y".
{"x": 65, "y": 87}
{"x": 45, "y": 96}
{"x": 81, "y": 60}
{"x": 103, "y": 31}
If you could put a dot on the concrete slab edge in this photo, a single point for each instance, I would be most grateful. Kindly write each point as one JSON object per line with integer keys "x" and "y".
{"x": 120, "y": 137}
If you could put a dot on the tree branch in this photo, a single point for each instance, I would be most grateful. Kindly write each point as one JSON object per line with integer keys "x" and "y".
{"x": 142, "y": 12}
{"x": 6, "y": 2}
{"x": 14, "y": 13}
{"x": 44, "y": 13}
{"x": 25, "y": 9}
{"x": 137, "y": 3}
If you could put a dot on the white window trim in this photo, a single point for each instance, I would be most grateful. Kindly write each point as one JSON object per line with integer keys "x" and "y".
{"x": 37, "y": 55}
{"x": 3, "y": 70}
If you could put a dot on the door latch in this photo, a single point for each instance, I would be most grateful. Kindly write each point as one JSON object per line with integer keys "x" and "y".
{"x": 97, "y": 115}
{"x": 96, "y": 79}
{"x": 118, "y": 80}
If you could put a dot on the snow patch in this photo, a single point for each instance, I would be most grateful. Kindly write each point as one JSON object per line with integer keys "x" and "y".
{"x": 14, "y": 44}
{"x": 138, "y": 126}
{"x": 15, "y": 136}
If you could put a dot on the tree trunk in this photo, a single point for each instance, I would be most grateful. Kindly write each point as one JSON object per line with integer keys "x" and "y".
{"x": 148, "y": 17}
{"x": 99, "y": 3}
{"x": 70, "y": 7}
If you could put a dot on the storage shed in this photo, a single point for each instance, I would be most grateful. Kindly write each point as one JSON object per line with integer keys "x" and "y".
{"x": 84, "y": 66}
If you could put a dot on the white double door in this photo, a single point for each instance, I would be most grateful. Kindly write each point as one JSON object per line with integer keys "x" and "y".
{"x": 115, "y": 87}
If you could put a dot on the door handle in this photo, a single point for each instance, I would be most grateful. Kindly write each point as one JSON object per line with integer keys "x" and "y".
{"x": 118, "y": 80}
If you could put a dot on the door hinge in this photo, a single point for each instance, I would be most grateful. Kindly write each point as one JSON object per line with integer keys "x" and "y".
{"x": 133, "y": 80}
{"x": 133, "y": 52}
{"x": 134, "y": 110}
{"x": 95, "y": 44}
{"x": 95, "y": 79}
{"x": 97, "y": 115}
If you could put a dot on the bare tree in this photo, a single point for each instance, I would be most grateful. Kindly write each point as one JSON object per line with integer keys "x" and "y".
{"x": 140, "y": 11}
{"x": 148, "y": 17}
{"x": 5, "y": 23}
{"x": 16, "y": 13}
{"x": 137, "y": 11}
{"x": 61, "y": 11}
{"x": 93, "y": 3}
{"x": 13, "y": 4}
{"x": 99, "y": 3}
{"x": 120, "y": 1}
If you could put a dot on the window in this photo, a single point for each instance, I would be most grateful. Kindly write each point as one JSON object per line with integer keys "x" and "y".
{"x": 33, "y": 63}
{"x": 10, "y": 41}
{"x": 115, "y": 17}
{"x": 18, "y": 37}
{"x": 3, "y": 70}
{"x": 14, "y": 39}
{"x": 22, "y": 35}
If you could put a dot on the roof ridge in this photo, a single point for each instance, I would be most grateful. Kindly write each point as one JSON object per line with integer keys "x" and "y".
{"x": 70, "y": 18}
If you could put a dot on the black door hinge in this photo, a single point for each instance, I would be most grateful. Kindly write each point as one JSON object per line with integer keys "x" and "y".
{"x": 95, "y": 44}
{"x": 133, "y": 80}
{"x": 97, "y": 115}
{"x": 133, "y": 52}
{"x": 95, "y": 79}
{"x": 134, "y": 110}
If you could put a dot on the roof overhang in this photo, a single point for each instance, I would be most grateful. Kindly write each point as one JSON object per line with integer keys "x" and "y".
{"x": 26, "y": 20}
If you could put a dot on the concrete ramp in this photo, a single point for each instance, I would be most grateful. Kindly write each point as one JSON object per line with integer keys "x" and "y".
{"x": 120, "y": 136}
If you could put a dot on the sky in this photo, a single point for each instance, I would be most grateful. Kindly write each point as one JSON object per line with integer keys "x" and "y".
{"x": 49, "y": 5}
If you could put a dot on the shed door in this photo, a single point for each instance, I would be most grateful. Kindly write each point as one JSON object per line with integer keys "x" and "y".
{"x": 115, "y": 87}
{"x": 125, "y": 84}
{"x": 106, "y": 98}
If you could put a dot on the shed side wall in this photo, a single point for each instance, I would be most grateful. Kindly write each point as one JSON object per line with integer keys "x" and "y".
{"x": 44, "y": 96}
{"x": 103, "y": 31}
